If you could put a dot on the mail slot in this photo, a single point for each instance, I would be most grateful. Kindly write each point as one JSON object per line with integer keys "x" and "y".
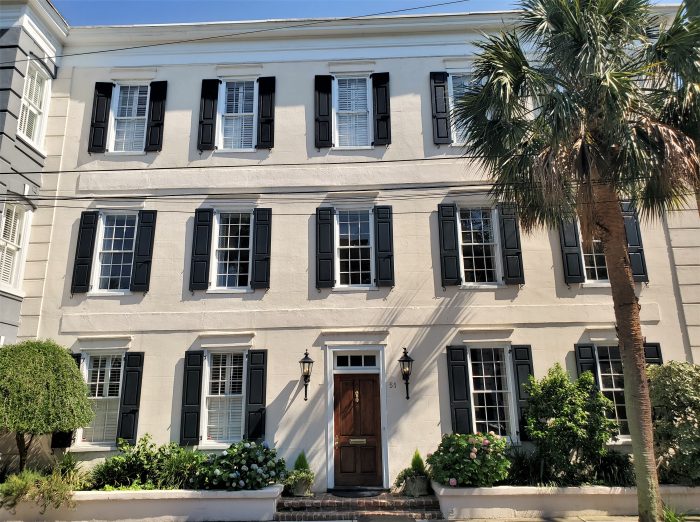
{"x": 357, "y": 442}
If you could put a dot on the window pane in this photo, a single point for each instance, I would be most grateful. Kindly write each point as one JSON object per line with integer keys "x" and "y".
{"x": 225, "y": 397}
{"x": 355, "y": 248}
{"x": 238, "y": 122}
{"x": 233, "y": 250}
{"x": 104, "y": 384}
{"x": 352, "y": 112}
{"x": 612, "y": 384}
{"x": 130, "y": 119}
{"x": 490, "y": 393}
{"x": 478, "y": 245}
{"x": 594, "y": 261}
{"x": 459, "y": 84}
{"x": 116, "y": 254}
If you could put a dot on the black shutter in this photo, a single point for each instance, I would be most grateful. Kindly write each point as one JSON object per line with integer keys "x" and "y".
{"x": 206, "y": 137}
{"x": 384, "y": 246}
{"x": 143, "y": 251}
{"x": 571, "y": 252}
{"x": 522, "y": 369}
{"x": 460, "y": 394}
{"x": 131, "y": 397}
{"x": 441, "y": 108}
{"x": 201, "y": 248}
{"x": 266, "y": 113}
{"x": 156, "y": 116}
{"x": 325, "y": 277}
{"x": 381, "y": 109}
{"x": 585, "y": 360}
{"x": 652, "y": 353}
{"x": 323, "y": 112}
{"x": 191, "y": 398}
{"x": 262, "y": 222}
{"x": 513, "y": 273}
{"x": 449, "y": 244}
{"x": 255, "y": 395}
{"x": 64, "y": 439}
{"x": 634, "y": 243}
{"x": 83, "y": 252}
{"x": 99, "y": 121}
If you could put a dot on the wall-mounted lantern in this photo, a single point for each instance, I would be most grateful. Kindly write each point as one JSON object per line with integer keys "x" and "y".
{"x": 307, "y": 364}
{"x": 406, "y": 362}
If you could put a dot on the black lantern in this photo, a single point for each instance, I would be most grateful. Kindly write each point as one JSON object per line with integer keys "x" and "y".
{"x": 306, "y": 363}
{"x": 406, "y": 363}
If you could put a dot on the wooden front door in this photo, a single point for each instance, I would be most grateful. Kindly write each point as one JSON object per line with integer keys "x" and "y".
{"x": 357, "y": 425}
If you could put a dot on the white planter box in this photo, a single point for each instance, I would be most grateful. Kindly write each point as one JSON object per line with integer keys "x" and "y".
{"x": 533, "y": 502}
{"x": 159, "y": 505}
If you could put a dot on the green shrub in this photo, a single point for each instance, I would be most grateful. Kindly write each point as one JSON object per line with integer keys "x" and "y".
{"x": 301, "y": 463}
{"x": 469, "y": 460}
{"x": 244, "y": 465}
{"x": 675, "y": 397}
{"x": 417, "y": 469}
{"x": 53, "y": 490}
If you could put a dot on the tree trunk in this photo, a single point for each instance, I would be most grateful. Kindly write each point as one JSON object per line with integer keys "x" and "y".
{"x": 610, "y": 229}
{"x": 23, "y": 449}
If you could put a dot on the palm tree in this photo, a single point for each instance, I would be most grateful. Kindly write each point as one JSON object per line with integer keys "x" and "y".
{"x": 586, "y": 103}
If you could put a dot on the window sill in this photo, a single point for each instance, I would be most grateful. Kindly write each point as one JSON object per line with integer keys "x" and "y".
{"x": 621, "y": 440}
{"x": 458, "y": 145}
{"x": 596, "y": 284}
{"x": 108, "y": 293}
{"x": 360, "y": 147}
{"x": 88, "y": 448}
{"x": 247, "y": 290}
{"x": 11, "y": 291}
{"x": 226, "y": 151}
{"x": 481, "y": 286}
{"x": 216, "y": 445}
{"x": 125, "y": 153}
{"x": 354, "y": 289}
{"x": 30, "y": 143}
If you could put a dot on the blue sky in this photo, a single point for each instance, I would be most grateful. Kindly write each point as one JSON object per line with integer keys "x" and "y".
{"x": 103, "y": 12}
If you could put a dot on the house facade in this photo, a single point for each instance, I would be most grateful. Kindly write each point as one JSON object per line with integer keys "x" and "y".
{"x": 225, "y": 204}
{"x": 31, "y": 35}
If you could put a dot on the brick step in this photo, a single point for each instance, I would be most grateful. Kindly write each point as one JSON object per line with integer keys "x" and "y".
{"x": 357, "y": 515}
{"x": 382, "y": 503}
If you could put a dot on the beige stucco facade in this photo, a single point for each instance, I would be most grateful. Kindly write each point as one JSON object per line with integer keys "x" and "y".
{"x": 294, "y": 178}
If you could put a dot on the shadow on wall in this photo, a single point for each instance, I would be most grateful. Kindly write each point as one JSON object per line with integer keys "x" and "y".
{"x": 40, "y": 453}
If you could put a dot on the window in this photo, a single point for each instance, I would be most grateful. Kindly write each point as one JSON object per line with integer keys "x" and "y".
{"x": 130, "y": 111}
{"x": 238, "y": 115}
{"x": 115, "y": 251}
{"x": 491, "y": 395}
{"x": 356, "y": 361}
{"x": 12, "y": 231}
{"x": 594, "y": 261}
{"x": 224, "y": 397}
{"x": 352, "y": 112}
{"x": 479, "y": 245}
{"x": 458, "y": 84}
{"x": 232, "y": 249}
{"x": 355, "y": 246}
{"x": 32, "y": 114}
{"x": 104, "y": 379}
{"x": 612, "y": 384}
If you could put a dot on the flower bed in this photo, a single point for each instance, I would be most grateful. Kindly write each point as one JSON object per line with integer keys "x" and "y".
{"x": 258, "y": 504}
{"x": 535, "y": 502}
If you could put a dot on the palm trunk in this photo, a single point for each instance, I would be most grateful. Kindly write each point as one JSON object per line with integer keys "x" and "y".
{"x": 610, "y": 227}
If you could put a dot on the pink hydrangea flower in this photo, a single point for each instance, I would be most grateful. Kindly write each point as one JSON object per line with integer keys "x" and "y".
{"x": 453, "y": 482}
{"x": 486, "y": 442}
{"x": 472, "y": 455}
{"x": 474, "y": 450}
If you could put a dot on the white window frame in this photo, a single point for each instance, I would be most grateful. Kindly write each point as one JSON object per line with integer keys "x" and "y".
{"x": 221, "y": 106}
{"x": 206, "y": 381}
{"x": 498, "y": 261}
{"x": 336, "y": 249}
{"x": 589, "y": 282}
{"x": 617, "y": 438}
{"x": 370, "y": 114}
{"x": 97, "y": 265}
{"x": 15, "y": 286}
{"x": 511, "y": 403}
{"x": 78, "y": 444}
{"x": 213, "y": 288}
{"x": 114, "y": 107}
{"x": 38, "y": 142}
{"x": 451, "y": 104}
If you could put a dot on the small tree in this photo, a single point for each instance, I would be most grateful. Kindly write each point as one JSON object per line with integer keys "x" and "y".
{"x": 42, "y": 392}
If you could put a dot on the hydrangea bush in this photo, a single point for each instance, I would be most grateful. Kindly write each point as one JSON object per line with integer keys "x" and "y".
{"x": 475, "y": 460}
{"x": 244, "y": 465}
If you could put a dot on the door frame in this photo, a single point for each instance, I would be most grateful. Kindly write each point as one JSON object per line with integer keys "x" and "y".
{"x": 330, "y": 353}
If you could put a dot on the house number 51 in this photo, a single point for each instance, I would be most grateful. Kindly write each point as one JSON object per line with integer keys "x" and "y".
{"x": 392, "y": 384}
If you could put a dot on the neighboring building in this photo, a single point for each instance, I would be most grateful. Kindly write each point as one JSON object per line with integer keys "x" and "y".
{"x": 233, "y": 201}
{"x": 31, "y": 33}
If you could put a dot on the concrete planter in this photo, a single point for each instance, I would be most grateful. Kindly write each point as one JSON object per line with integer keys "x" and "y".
{"x": 532, "y": 502}
{"x": 159, "y": 504}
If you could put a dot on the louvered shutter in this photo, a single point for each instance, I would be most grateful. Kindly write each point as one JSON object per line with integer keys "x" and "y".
{"x": 381, "y": 109}
{"x": 585, "y": 360}
{"x": 143, "y": 251}
{"x": 634, "y": 243}
{"x": 64, "y": 439}
{"x": 652, "y": 353}
{"x": 449, "y": 244}
{"x": 191, "y": 398}
{"x": 323, "y": 107}
{"x": 570, "y": 244}
{"x": 522, "y": 370}
{"x": 156, "y": 116}
{"x": 460, "y": 394}
{"x": 266, "y": 113}
{"x": 441, "y": 108}
{"x": 82, "y": 266}
{"x": 262, "y": 223}
{"x": 127, "y": 426}
{"x": 256, "y": 395}
{"x": 99, "y": 121}
{"x": 511, "y": 249}
{"x": 384, "y": 246}
{"x": 201, "y": 249}
{"x": 325, "y": 277}
{"x": 208, "y": 113}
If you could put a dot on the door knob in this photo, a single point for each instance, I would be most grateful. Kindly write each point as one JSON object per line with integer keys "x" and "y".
{"x": 357, "y": 396}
